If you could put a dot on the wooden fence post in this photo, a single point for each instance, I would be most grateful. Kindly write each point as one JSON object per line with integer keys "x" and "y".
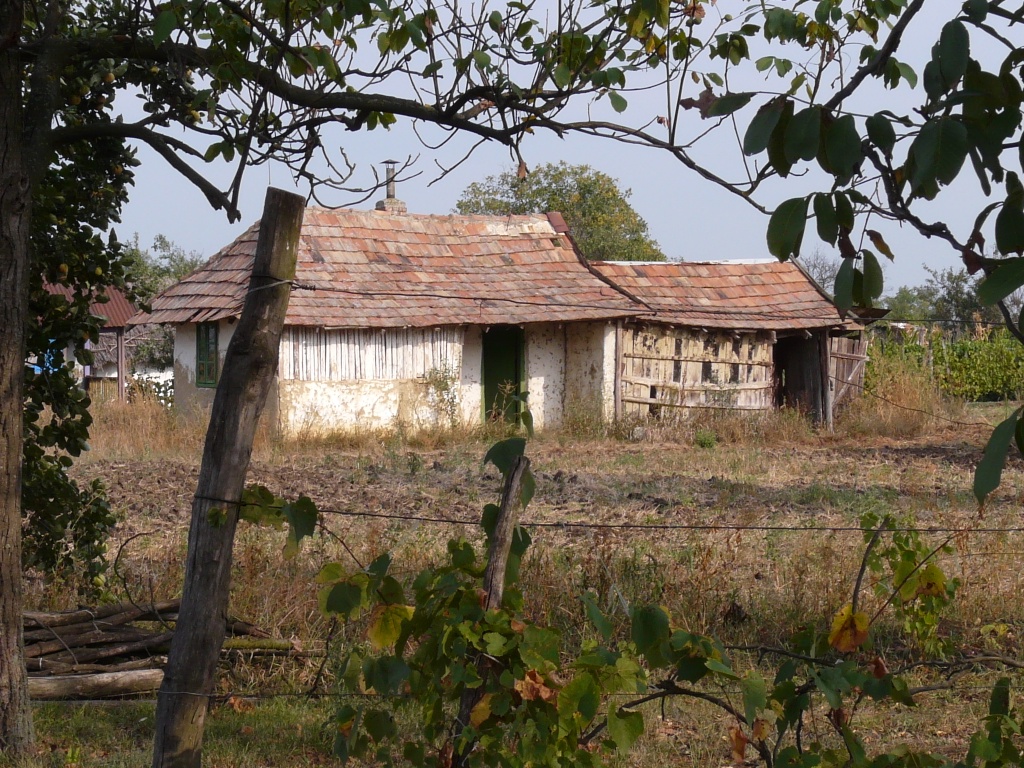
{"x": 494, "y": 587}
{"x": 249, "y": 369}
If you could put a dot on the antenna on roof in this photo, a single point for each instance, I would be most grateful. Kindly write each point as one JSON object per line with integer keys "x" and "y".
{"x": 391, "y": 204}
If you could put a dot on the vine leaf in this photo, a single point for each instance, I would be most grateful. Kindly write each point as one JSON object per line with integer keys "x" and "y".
{"x": 849, "y": 630}
{"x": 533, "y": 687}
{"x": 386, "y": 625}
{"x": 755, "y": 694}
{"x": 481, "y": 711}
{"x": 504, "y": 454}
{"x": 989, "y": 471}
{"x": 625, "y": 728}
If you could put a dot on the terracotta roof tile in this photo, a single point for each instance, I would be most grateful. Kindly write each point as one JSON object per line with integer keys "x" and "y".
{"x": 116, "y": 310}
{"x": 767, "y": 295}
{"x": 370, "y": 269}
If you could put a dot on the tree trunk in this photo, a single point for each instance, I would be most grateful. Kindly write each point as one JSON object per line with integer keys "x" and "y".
{"x": 249, "y": 369}
{"x": 15, "y": 209}
{"x": 494, "y": 592}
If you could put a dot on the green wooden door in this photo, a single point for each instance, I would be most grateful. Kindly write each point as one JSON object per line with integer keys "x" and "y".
{"x": 503, "y": 365}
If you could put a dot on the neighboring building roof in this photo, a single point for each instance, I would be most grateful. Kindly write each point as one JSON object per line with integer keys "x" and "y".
{"x": 749, "y": 295}
{"x": 373, "y": 269}
{"x": 117, "y": 310}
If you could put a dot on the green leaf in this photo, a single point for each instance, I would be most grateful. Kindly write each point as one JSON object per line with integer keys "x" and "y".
{"x": 1007, "y": 278}
{"x": 582, "y": 695}
{"x": 503, "y": 454}
{"x": 728, "y": 103}
{"x": 720, "y": 668}
{"x": 345, "y": 599}
{"x": 937, "y": 154}
{"x": 844, "y": 211}
{"x": 908, "y": 73}
{"x": 989, "y": 471}
{"x": 803, "y": 135}
{"x": 213, "y": 151}
{"x": 843, "y": 296}
{"x": 302, "y": 516}
{"x": 624, "y": 728}
{"x": 842, "y": 147}
{"x": 618, "y": 103}
{"x": 596, "y": 616}
{"x": 872, "y": 275}
{"x": 954, "y": 52}
{"x": 540, "y": 648}
{"x": 562, "y": 75}
{"x": 386, "y": 674}
{"x": 776, "y": 149}
{"x": 650, "y": 631}
{"x": 755, "y": 695}
{"x": 1009, "y": 229}
{"x": 390, "y": 591}
{"x": 976, "y": 10}
{"x": 825, "y": 216}
{"x": 759, "y": 131}
{"x": 330, "y": 573}
{"x": 528, "y": 488}
{"x": 786, "y": 228}
{"x": 881, "y": 133}
{"x": 1000, "y": 701}
{"x": 379, "y": 725}
{"x": 164, "y": 25}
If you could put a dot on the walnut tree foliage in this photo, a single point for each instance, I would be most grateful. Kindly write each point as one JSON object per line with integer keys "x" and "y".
{"x": 603, "y": 223}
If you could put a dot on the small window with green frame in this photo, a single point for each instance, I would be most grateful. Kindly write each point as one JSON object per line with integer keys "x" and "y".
{"x": 206, "y": 355}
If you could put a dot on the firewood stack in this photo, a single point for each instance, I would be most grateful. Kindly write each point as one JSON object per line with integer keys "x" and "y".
{"x": 93, "y": 653}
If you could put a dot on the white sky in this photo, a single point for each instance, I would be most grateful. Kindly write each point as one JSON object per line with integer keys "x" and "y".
{"x": 689, "y": 217}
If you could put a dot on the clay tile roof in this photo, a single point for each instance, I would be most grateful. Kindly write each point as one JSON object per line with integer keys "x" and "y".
{"x": 116, "y": 310}
{"x": 768, "y": 295}
{"x": 372, "y": 269}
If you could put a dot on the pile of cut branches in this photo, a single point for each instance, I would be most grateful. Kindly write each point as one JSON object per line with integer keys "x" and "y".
{"x": 112, "y": 650}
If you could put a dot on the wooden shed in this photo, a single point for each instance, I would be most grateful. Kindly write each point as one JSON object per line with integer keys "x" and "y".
{"x": 748, "y": 335}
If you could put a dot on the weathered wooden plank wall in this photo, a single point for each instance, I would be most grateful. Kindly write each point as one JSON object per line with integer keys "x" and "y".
{"x": 317, "y": 354}
{"x": 665, "y": 368}
{"x": 847, "y": 360}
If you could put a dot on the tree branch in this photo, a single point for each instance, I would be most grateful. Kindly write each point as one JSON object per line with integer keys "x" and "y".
{"x": 879, "y": 59}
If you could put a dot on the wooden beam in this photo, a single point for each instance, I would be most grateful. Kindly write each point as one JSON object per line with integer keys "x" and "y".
{"x": 249, "y": 369}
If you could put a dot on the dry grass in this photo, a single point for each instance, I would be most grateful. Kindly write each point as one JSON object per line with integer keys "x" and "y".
{"x": 902, "y": 400}
{"x": 750, "y": 586}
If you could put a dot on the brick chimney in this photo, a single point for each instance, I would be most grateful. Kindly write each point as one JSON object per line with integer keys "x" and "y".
{"x": 391, "y": 204}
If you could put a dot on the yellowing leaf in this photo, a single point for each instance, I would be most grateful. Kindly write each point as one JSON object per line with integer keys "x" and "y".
{"x": 481, "y": 711}
{"x": 849, "y": 630}
{"x": 760, "y": 729}
{"x": 932, "y": 581}
{"x": 386, "y": 624}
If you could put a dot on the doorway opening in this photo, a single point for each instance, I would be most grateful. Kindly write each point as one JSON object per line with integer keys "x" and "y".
{"x": 503, "y": 372}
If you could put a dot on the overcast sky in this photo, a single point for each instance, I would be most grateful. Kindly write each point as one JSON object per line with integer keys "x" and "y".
{"x": 690, "y": 218}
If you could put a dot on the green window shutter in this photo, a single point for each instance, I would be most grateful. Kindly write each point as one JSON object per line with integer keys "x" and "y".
{"x": 206, "y": 355}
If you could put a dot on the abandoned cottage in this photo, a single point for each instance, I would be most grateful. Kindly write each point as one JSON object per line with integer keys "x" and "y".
{"x": 426, "y": 319}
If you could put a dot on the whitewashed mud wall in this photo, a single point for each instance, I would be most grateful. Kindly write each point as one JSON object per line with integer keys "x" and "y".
{"x": 590, "y": 371}
{"x": 545, "y": 373}
{"x": 666, "y": 368}
{"x": 471, "y": 381}
{"x": 187, "y": 396}
{"x": 365, "y": 378}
